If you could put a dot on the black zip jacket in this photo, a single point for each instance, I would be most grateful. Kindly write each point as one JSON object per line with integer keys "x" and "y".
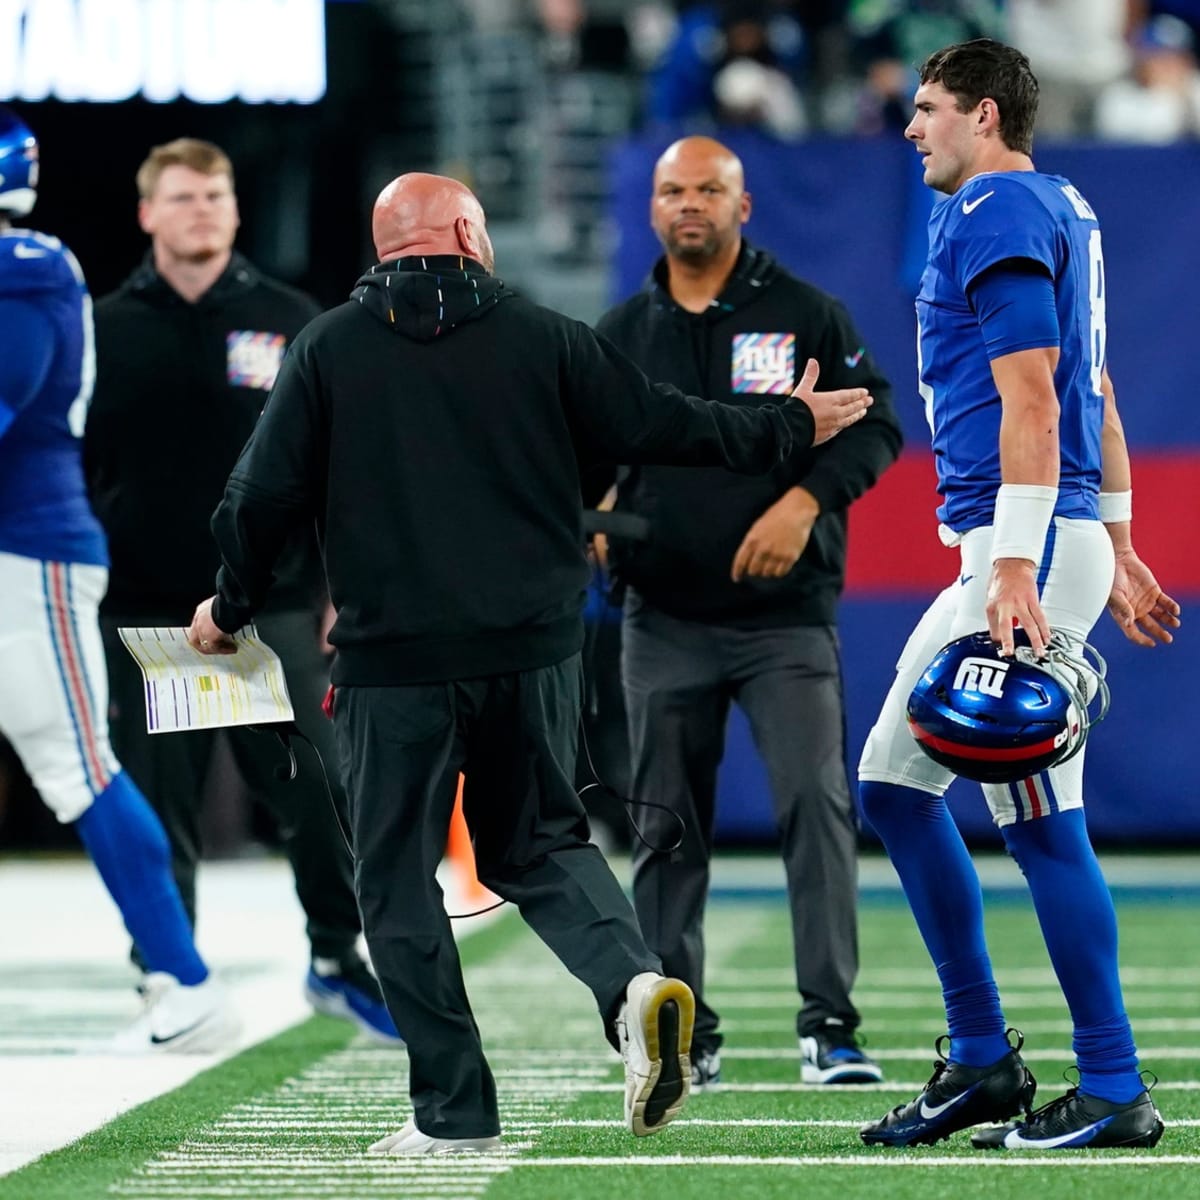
{"x": 179, "y": 388}
{"x": 697, "y": 519}
{"x": 434, "y": 426}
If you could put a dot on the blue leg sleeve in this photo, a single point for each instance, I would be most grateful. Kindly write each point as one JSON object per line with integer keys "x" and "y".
{"x": 129, "y": 846}
{"x": 943, "y": 891}
{"x": 1079, "y": 925}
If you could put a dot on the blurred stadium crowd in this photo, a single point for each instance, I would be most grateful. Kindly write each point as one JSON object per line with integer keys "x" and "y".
{"x": 1113, "y": 69}
{"x": 1119, "y": 70}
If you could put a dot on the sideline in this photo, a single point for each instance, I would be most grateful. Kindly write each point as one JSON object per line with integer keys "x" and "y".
{"x": 65, "y": 987}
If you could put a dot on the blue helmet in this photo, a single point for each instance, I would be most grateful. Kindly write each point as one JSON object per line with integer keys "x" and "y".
{"x": 18, "y": 165}
{"x": 1001, "y": 720}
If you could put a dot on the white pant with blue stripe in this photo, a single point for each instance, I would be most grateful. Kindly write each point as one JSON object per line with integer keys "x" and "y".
{"x": 1074, "y": 580}
{"x": 53, "y": 682}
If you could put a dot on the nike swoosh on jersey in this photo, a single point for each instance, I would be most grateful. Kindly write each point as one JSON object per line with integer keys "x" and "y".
{"x": 852, "y": 360}
{"x": 23, "y": 251}
{"x": 965, "y": 579}
{"x": 1014, "y": 1141}
{"x": 969, "y": 206}
{"x": 929, "y": 1113}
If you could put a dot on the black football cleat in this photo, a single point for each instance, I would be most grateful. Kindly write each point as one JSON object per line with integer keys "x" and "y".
{"x": 1078, "y": 1122}
{"x": 957, "y": 1097}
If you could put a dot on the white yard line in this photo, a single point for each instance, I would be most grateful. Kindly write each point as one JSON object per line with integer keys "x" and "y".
{"x": 1147, "y": 1051}
{"x": 1015, "y": 1000}
{"x": 737, "y": 1027}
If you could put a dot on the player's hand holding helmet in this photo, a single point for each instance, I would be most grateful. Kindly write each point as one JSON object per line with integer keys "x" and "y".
{"x": 1000, "y": 720}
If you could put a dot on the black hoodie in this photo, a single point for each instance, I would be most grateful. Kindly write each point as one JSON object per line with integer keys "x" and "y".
{"x": 179, "y": 387}
{"x": 434, "y": 426}
{"x": 697, "y": 519}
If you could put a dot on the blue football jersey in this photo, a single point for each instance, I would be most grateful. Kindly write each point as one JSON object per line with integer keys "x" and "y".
{"x": 47, "y": 369}
{"x": 994, "y": 217}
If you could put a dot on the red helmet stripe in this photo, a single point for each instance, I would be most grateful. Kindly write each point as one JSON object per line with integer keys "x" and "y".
{"x": 981, "y": 753}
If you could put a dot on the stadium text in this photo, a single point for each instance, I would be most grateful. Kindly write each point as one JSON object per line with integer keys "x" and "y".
{"x": 207, "y": 51}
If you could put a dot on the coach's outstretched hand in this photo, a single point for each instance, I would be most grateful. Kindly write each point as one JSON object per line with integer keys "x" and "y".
{"x": 832, "y": 411}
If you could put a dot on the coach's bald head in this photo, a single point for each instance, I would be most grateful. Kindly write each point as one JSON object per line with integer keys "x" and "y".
{"x": 430, "y": 214}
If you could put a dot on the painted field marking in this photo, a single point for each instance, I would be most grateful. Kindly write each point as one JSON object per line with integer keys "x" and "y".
{"x": 902, "y": 1054}
{"x": 731, "y": 1001}
{"x": 876, "y": 1025}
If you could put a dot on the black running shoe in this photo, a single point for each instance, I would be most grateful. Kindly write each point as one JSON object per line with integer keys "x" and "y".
{"x": 957, "y": 1097}
{"x": 1075, "y": 1122}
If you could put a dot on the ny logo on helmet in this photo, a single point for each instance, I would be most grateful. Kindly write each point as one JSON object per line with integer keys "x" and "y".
{"x": 982, "y": 675}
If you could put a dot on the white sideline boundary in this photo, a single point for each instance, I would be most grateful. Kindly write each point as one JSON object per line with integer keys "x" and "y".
{"x": 62, "y": 934}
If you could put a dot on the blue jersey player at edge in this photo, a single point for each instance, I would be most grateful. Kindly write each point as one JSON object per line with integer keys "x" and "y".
{"x": 1034, "y": 476}
{"x": 53, "y": 573}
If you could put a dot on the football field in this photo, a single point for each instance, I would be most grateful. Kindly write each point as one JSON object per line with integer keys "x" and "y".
{"x": 291, "y": 1117}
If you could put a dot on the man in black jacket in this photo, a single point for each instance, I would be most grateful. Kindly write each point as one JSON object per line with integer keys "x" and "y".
{"x": 433, "y": 427}
{"x": 191, "y": 343}
{"x": 733, "y": 597}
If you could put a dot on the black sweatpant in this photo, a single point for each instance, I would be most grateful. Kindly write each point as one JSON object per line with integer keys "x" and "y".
{"x": 680, "y": 678}
{"x": 514, "y": 739}
{"x": 170, "y": 768}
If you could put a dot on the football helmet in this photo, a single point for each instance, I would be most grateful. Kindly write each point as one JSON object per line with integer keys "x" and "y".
{"x": 18, "y": 165}
{"x": 1000, "y": 720}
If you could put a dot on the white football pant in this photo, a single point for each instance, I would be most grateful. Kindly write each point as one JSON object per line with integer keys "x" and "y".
{"x": 53, "y": 681}
{"x": 1075, "y": 580}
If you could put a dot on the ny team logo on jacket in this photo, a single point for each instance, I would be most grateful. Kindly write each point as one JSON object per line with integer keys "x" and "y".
{"x": 764, "y": 362}
{"x": 252, "y": 358}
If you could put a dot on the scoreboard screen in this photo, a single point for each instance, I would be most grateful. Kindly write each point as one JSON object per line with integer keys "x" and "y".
{"x": 205, "y": 51}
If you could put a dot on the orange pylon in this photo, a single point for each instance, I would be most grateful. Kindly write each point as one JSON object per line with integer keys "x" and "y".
{"x": 462, "y": 854}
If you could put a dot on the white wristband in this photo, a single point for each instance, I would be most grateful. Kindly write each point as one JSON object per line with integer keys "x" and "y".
{"x": 1116, "y": 507}
{"x": 1023, "y": 514}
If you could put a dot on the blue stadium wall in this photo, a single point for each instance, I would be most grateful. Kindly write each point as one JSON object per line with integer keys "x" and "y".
{"x": 851, "y": 217}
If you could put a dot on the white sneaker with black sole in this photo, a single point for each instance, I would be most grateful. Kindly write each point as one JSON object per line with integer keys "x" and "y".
{"x": 411, "y": 1141}
{"x": 655, "y": 1031}
{"x": 179, "y": 1019}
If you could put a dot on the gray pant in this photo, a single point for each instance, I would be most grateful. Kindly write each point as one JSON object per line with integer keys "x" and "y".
{"x": 514, "y": 739}
{"x": 679, "y": 678}
{"x": 170, "y": 769}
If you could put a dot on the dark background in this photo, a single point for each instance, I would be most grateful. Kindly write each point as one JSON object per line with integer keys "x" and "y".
{"x": 300, "y": 170}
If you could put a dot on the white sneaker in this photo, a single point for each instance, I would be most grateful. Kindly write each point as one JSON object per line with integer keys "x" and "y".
{"x": 178, "y": 1019}
{"x": 655, "y": 1031}
{"x": 410, "y": 1140}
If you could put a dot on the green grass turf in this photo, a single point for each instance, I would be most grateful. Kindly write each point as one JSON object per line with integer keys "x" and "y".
{"x": 536, "y": 1022}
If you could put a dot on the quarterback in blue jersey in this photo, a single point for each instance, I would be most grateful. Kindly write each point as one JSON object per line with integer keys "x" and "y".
{"x": 53, "y": 572}
{"x": 1036, "y": 494}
